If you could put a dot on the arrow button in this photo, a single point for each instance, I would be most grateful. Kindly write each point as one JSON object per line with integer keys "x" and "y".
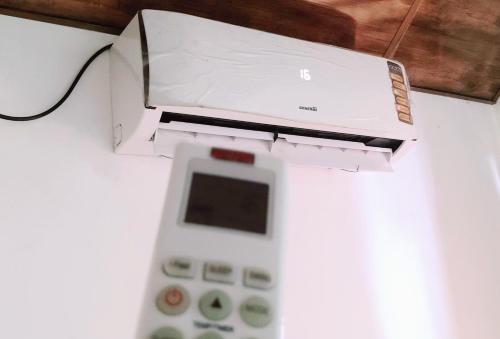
{"x": 215, "y": 305}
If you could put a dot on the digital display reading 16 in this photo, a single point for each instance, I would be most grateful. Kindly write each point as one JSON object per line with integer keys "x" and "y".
{"x": 228, "y": 203}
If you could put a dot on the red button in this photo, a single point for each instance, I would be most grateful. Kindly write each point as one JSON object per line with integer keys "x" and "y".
{"x": 173, "y": 297}
{"x": 173, "y": 300}
{"x": 230, "y": 155}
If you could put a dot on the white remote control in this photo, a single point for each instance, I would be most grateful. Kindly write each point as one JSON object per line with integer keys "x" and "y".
{"x": 216, "y": 270}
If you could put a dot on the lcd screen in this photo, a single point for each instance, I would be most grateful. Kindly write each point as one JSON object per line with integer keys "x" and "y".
{"x": 228, "y": 203}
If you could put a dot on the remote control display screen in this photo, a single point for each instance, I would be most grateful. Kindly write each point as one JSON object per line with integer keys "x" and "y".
{"x": 228, "y": 203}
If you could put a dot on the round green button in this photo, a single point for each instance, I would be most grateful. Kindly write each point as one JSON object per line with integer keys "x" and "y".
{"x": 215, "y": 305}
{"x": 256, "y": 312}
{"x": 167, "y": 333}
{"x": 210, "y": 335}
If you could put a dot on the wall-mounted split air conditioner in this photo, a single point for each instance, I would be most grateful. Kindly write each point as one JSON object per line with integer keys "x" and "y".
{"x": 177, "y": 77}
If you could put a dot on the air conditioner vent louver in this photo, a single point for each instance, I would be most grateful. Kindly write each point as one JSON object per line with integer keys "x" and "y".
{"x": 393, "y": 144}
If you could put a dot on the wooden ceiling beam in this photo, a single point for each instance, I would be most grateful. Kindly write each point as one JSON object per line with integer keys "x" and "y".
{"x": 59, "y": 20}
{"x": 452, "y": 46}
{"x": 403, "y": 28}
{"x": 453, "y": 95}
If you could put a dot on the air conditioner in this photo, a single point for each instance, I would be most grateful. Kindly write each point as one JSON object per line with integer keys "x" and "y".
{"x": 178, "y": 78}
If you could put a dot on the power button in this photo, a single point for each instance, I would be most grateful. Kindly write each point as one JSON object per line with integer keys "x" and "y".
{"x": 173, "y": 300}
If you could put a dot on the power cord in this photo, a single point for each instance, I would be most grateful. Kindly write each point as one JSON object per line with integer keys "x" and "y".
{"x": 65, "y": 96}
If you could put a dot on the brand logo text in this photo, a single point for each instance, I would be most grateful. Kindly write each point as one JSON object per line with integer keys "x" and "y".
{"x": 309, "y": 108}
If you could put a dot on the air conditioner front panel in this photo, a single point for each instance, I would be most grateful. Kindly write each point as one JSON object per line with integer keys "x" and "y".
{"x": 195, "y": 62}
{"x": 177, "y": 77}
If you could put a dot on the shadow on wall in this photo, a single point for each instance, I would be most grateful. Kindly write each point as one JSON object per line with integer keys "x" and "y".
{"x": 295, "y": 18}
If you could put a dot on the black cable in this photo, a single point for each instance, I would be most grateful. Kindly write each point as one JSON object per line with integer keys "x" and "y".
{"x": 65, "y": 96}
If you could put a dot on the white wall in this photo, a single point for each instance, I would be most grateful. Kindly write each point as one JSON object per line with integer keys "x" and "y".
{"x": 407, "y": 255}
{"x": 412, "y": 254}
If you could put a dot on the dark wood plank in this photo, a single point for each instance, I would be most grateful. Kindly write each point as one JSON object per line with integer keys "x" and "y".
{"x": 451, "y": 95}
{"x": 98, "y": 12}
{"x": 59, "y": 21}
{"x": 398, "y": 37}
{"x": 376, "y": 21}
{"x": 454, "y": 46}
{"x": 364, "y": 25}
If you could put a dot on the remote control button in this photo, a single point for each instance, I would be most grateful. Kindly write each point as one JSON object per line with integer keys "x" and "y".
{"x": 257, "y": 278}
{"x": 179, "y": 267}
{"x": 215, "y": 305}
{"x": 210, "y": 335}
{"x": 173, "y": 300}
{"x": 219, "y": 272}
{"x": 167, "y": 333}
{"x": 256, "y": 312}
